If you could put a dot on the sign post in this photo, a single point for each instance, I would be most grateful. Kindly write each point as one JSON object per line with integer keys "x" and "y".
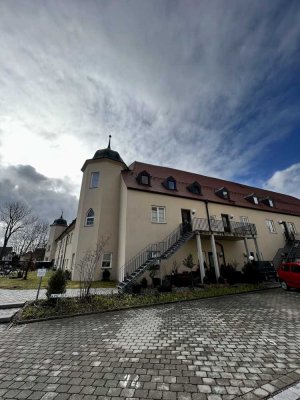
{"x": 40, "y": 273}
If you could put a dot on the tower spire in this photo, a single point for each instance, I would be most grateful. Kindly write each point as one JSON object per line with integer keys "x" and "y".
{"x": 109, "y": 142}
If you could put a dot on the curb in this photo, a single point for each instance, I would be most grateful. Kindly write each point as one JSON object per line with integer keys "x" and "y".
{"x": 30, "y": 321}
{"x": 11, "y": 305}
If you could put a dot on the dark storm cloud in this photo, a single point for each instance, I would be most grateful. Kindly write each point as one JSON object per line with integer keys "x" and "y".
{"x": 47, "y": 197}
{"x": 194, "y": 84}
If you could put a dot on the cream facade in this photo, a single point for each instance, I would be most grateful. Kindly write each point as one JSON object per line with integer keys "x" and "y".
{"x": 130, "y": 208}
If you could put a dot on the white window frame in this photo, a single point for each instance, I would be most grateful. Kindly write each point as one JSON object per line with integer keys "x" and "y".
{"x": 255, "y": 199}
{"x": 244, "y": 219}
{"x": 156, "y": 210}
{"x": 89, "y": 220}
{"x": 292, "y": 227}
{"x": 93, "y": 184}
{"x": 104, "y": 261}
{"x": 271, "y": 204}
{"x": 271, "y": 226}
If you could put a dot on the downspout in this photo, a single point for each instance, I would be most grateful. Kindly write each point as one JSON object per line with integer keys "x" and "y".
{"x": 208, "y": 217}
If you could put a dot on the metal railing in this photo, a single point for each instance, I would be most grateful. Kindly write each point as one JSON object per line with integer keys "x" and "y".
{"x": 150, "y": 253}
{"x": 241, "y": 229}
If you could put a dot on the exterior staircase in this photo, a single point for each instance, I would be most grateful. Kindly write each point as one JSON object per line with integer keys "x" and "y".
{"x": 290, "y": 252}
{"x": 151, "y": 254}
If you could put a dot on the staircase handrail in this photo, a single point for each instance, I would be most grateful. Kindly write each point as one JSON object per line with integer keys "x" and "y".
{"x": 143, "y": 255}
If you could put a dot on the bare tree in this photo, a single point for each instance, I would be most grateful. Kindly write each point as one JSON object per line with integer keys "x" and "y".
{"x": 14, "y": 217}
{"x": 88, "y": 266}
{"x": 30, "y": 238}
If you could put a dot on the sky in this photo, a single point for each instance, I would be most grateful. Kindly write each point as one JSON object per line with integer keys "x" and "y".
{"x": 211, "y": 87}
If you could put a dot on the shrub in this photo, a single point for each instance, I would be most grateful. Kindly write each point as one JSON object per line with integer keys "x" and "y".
{"x": 68, "y": 275}
{"x": 251, "y": 273}
{"x": 56, "y": 284}
{"x": 106, "y": 275}
{"x": 136, "y": 288}
{"x": 144, "y": 283}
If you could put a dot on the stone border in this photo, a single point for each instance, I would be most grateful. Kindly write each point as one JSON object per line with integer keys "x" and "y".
{"x": 29, "y": 321}
{"x": 274, "y": 387}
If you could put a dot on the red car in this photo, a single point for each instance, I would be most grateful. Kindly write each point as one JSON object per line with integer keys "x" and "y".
{"x": 289, "y": 275}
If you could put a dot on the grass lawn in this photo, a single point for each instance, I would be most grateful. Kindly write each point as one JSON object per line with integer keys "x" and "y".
{"x": 32, "y": 282}
{"x": 71, "y": 306}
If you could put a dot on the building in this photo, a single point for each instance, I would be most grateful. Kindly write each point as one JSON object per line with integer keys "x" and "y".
{"x": 147, "y": 213}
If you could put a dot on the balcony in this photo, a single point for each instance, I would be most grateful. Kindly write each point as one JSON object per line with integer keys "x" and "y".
{"x": 235, "y": 230}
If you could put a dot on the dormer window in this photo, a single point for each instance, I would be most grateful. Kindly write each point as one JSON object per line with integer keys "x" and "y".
{"x": 170, "y": 183}
{"x": 252, "y": 198}
{"x": 268, "y": 202}
{"x": 223, "y": 193}
{"x": 195, "y": 188}
{"x": 143, "y": 178}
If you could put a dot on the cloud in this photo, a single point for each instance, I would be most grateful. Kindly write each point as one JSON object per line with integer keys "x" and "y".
{"x": 286, "y": 181}
{"x": 203, "y": 86}
{"x": 46, "y": 196}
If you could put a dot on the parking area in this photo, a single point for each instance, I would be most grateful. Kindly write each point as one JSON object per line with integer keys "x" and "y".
{"x": 236, "y": 347}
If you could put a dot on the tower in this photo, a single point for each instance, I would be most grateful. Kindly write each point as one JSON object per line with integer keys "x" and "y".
{"x": 56, "y": 229}
{"x": 98, "y": 210}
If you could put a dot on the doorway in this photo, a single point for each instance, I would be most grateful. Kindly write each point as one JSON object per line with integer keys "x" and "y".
{"x": 186, "y": 220}
{"x": 226, "y": 222}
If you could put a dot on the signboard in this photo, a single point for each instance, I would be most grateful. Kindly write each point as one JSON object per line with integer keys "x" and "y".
{"x": 41, "y": 272}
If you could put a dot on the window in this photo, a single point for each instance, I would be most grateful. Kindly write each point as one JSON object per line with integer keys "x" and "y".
{"x": 270, "y": 225}
{"x": 244, "y": 219}
{"x": 170, "y": 183}
{"x": 158, "y": 214}
{"x": 90, "y": 216}
{"x": 223, "y": 192}
{"x": 143, "y": 178}
{"x": 106, "y": 260}
{"x": 292, "y": 227}
{"x": 94, "y": 180}
{"x": 252, "y": 198}
{"x": 195, "y": 188}
{"x": 295, "y": 268}
{"x": 268, "y": 202}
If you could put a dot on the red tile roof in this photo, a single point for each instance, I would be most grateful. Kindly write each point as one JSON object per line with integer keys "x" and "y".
{"x": 237, "y": 191}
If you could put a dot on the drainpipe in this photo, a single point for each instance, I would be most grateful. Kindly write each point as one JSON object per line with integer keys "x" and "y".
{"x": 213, "y": 244}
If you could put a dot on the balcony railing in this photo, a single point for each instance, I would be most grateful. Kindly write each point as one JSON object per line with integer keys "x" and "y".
{"x": 238, "y": 229}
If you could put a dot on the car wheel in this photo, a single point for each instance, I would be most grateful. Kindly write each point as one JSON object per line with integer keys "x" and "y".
{"x": 284, "y": 286}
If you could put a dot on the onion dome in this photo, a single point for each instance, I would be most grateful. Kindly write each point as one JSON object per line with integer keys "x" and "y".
{"x": 60, "y": 221}
{"x": 108, "y": 153}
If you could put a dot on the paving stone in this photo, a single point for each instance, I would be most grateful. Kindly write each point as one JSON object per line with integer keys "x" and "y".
{"x": 200, "y": 350}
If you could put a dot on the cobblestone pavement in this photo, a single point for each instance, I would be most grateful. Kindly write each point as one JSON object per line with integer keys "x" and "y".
{"x": 20, "y": 296}
{"x": 236, "y": 347}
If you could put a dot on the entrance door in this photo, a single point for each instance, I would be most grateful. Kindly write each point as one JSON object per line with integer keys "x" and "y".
{"x": 211, "y": 259}
{"x": 186, "y": 220}
{"x": 226, "y": 222}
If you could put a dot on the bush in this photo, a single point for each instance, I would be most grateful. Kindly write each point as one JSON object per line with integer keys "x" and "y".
{"x": 136, "y": 289}
{"x": 56, "y": 284}
{"x": 68, "y": 275}
{"x": 251, "y": 273}
{"x": 144, "y": 283}
{"x": 106, "y": 275}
